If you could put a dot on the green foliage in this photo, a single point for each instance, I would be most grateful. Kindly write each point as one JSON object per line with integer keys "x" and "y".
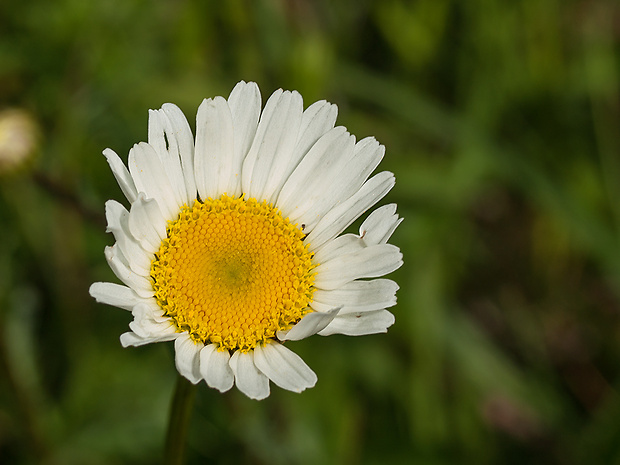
{"x": 502, "y": 123}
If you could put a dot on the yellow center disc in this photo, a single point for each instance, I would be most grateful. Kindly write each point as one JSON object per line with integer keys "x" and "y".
{"x": 233, "y": 272}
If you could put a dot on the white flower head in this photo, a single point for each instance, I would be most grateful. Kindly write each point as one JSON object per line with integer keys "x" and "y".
{"x": 233, "y": 242}
{"x": 19, "y": 139}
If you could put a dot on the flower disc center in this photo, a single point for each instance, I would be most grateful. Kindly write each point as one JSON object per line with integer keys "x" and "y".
{"x": 233, "y": 272}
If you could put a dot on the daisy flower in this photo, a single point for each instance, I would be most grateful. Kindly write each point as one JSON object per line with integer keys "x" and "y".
{"x": 19, "y": 138}
{"x": 232, "y": 244}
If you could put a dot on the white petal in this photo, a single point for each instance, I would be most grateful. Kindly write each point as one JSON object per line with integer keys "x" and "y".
{"x": 342, "y": 180}
{"x": 306, "y": 184}
{"x": 187, "y": 357}
{"x": 342, "y": 245}
{"x": 318, "y": 119}
{"x": 341, "y": 216}
{"x": 215, "y": 369}
{"x": 156, "y": 137}
{"x": 380, "y": 225}
{"x": 113, "y": 212}
{"x": 115, "y": 295}
{"x": 147, "y": 328}
{"x": 163, "y": 139}
{"x": 214, "y": 149}
{"x": 357, "y": 296}
{"x": 141, "y": 285}
{"x": 283, "y": 367}
{"x": 360, "y": 324}
{"x": 268, "y": 159}
{"x": 248, "y": 379}
{"x": 310, "y": 324}
{"x": 149, "y": 325}
{"x": 150, "y": 310}
{"x": 151, "y": 178}
{"x": 179, "y": 128}
{"x": 132, "y": 339}
{"x": 117, "y": 216}
{"x": 146, "y": 223}
{"x": 185, "y": 140}
{"x": 368, "y": 155}
{"x": 245, "y": 105}
{"x": 121, "y": 174}
{"x": 149, "y": 320}
{"x": 370, "y": 262}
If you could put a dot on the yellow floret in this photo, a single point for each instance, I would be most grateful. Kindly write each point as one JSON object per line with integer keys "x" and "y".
{"x": 233, "y": 272}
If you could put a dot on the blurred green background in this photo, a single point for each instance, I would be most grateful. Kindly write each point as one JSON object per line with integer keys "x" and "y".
{"x": 502, "y": 123}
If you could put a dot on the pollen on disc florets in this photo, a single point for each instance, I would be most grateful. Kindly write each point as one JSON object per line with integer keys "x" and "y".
{"x": 233, "y": 272}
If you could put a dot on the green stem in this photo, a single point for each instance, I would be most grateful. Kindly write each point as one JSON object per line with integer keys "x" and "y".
{"x": 178, "y": 423}
{"x": 24, "y": 404}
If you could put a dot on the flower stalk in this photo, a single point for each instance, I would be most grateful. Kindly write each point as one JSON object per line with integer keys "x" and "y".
{"x": 178, "y": 422}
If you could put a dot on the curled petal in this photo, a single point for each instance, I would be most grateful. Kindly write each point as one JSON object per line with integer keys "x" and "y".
{"x": 146, "y": 223}
{"x": 380, "y": 225}
{"x": 118, "y": 263}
